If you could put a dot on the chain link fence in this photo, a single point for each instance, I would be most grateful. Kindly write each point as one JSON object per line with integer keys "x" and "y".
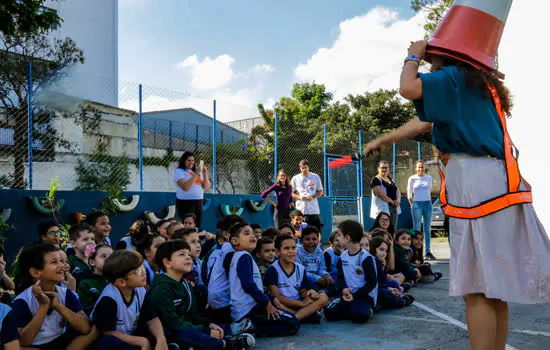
{"x": 135, "y": 144}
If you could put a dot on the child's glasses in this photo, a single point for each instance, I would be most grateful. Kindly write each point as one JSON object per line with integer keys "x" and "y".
{"x": 53, "y": 233}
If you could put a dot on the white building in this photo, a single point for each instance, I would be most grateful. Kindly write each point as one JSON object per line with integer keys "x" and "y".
{"x": 93, "y": 25}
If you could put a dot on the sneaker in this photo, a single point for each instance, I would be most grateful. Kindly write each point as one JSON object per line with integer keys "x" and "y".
{"x": 409, "y": 299}
{"x": 244, "y": 325}
{"x": 173, "y": 346}
{"x": 437, "y": 275}
{"x": 405, "y": 287}
{"x": 315, "y": 318}
{"x": 429, "y": 256}
{"x": 427, "y": 279}
{"x": 241, "y": 341}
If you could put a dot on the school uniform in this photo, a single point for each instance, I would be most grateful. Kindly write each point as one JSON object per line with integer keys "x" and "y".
{"x": 89, "y": 290}
{"x": 219, "y": 296}
{"x": 53, "y": 333}
{"x": 331, "y": 263}
{"x": 148, "y": 272}
{"x": 358, "y": 273}
{"x": 126, "y": 243}
{"x": 248, "y": 300}
{"x": 314, "y": 262}
{"x": 289, "y": 285}
{"x": 112, "y": 313}
{"x": 175, "y": 303}
{"x": 402, "y": 263}
{"x": 79, "y": 268}
{"x": 386, "y": 299}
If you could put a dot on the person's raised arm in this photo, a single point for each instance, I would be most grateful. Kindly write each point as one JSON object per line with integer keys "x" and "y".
{"x": 206, "y": 183}
{"x": 186, "y": 184}
{"x": 410, "y": 85}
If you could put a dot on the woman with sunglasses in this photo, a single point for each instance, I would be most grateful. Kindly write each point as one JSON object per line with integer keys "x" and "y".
{"x": 385, "y": 194}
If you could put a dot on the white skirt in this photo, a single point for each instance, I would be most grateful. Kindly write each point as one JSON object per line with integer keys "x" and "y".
{"x": 505, "y": 255}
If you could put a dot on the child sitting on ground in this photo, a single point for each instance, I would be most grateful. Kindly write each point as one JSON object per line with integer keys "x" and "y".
{"x": 332, "y": 256}
{"x": 257, "y": 230}
{"x": 100, "y": 226}
{"x": 357, "y": 279}
{"x": 174, "y": 301}
{"x": 297, "y": 219}
{"x": 248, "y": 302}
{"x": 122, "y": 314}
{"x": 43, "y": 309}
{"x": 402, "y": 263}
{"x": 160, "y": 227}
{"x": 82, "y": 241}
{"x": 265, "y": 254}
{"x": 390, "y": 294}
{"x": 147, "y": 249}
{"x": 310, "y": 255}
{"x": 68, "y": 281}
{"x": 288, "y": 282}
{"x": 138, "y": 231}
{"x": 173, "y": 227}
{"x": 365, "y": 241}
{"x": 91, "y": 288}
{"x": 417, "y": 245}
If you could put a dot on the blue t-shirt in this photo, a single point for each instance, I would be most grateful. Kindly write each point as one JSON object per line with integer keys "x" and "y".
{"x": 464, "y": 121}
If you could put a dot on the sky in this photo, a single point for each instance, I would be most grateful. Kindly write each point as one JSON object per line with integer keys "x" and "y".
{"x": 242, "y": 53}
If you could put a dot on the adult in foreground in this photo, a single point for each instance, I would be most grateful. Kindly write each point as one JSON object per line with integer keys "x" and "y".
{"x": 307, "y": 188}
{"x": 500, "y": 257}
{"x": 191, "y": 182}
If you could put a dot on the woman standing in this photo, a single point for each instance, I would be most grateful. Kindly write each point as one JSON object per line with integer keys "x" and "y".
{"x": 500, "y": 251}
{"x": 190, "y": 186}
{"x": 385, "y": 194}
{"x": 419, "y": 192}
{"x": 283, "y": 193}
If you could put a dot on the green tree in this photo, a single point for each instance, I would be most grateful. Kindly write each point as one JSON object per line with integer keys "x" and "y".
{"x": 435, "y": 12}
{"x": 50, "y": 58}
{"x": 19, "y": 17}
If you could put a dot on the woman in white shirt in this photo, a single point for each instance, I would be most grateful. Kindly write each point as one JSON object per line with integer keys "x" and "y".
{"x": 190, "y": 186}
{"x": 419, "y": 190}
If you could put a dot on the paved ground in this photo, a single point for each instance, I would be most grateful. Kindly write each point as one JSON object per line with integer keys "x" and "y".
{"x": 436, "y": 321}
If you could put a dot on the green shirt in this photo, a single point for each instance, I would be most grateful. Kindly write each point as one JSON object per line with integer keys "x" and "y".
{"x": 89, "y": 291}
{"x": 79, "y": 268}
{"x": 175, "y": 304}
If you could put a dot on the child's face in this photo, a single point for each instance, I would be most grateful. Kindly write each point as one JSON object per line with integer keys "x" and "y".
{"x": 86, "y": 237}
{"x": 404, "y": 241}
{"x": 297, "y": 220}
{"x": 180, "y": 261}
{"x": 54, "y": 268}
{"x": 384, "y": 222}
{"x": 151, "y": 252}
{"x": 100, "y": 256}
{"x": 52, "y": 236}
{"x": 246, "y": 240}
{"x": 365, "y": 243}
{"x": 338, "y": 243}
{"x": 286, "y": 231}
{"x": 136, "y": 278}
{"x": 267, "y": 253}
{"x": 382, "y": 253}
{"x": 173, "y": 229}
{"x": 162, "y": 229}
{"x": 258, "y": 232}
{"x": 310, "y": 242}
{"x": 102, "y": 228}
{"x": 195, "y": 244}
{"x": 65, "y": 260}
{"x": 188, "y": 222}
{"x": 287, "y": 253}
{"x": 418, "y": 241}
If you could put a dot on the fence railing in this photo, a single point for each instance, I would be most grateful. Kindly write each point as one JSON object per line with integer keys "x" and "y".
{"x": 136, "y": 145}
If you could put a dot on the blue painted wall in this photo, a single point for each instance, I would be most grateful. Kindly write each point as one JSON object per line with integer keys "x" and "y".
{"x": 25, "y": 218}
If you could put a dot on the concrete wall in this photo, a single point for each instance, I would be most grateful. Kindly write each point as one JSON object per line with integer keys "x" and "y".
{"x": 93, "y": 25}
{"x": 25, "y": 218}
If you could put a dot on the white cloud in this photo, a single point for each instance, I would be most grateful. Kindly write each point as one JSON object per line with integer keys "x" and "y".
{"x": 208, "y": 74}
{"x": 262, "y": 68}
{"x": 521, "y": 58}
{"x": 367, "y": 55}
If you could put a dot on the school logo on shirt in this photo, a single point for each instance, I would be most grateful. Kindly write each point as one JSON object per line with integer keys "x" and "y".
{"x": 358, "y": 271}
{"x": 62, "y": 324}
{"x": 198, "y": 181}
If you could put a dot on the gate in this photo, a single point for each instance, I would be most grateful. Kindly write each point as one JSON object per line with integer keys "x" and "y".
{"x": 345, "y": 191}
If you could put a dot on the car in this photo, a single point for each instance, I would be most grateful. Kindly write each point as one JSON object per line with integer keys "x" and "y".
{"x": 438, "y": 217}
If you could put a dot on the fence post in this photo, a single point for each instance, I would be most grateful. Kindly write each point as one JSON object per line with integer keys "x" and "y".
{"x": 325, "y": 170}
{"x": 394, "y": 162}
{"x": 214, "y": 150}
{"x": 30, "y": 124}
{"x": 276, "y": 155}
{"x": 419, "y": 155}
{"x": 197, "y": 138}
{"x": 361, "y": 163}
{"x": 140, "y": 140}
{"x": 170, "y": 137}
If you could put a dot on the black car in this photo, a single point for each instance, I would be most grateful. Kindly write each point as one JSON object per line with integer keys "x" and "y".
{"x": 438, "y": 217}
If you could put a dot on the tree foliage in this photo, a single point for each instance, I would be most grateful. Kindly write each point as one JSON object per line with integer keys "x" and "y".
{"x": 19, "y": 17}
{"x": 435, "y": 12}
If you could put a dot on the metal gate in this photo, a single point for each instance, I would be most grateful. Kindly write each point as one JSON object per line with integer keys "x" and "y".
{"x": 345, "y": 192}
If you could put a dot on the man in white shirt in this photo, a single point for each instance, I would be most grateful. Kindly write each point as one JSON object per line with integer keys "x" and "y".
{"x": 306, "y": 188}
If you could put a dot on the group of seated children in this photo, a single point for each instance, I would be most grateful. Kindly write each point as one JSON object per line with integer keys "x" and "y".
{"x": 169, "y": 286}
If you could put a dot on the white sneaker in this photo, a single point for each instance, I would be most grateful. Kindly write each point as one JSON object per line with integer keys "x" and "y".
{"x": 244, "y": 325}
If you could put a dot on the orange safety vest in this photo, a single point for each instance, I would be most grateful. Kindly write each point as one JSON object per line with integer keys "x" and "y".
{"x": 512, "y": 197}
{"x": 198, "y": 180}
